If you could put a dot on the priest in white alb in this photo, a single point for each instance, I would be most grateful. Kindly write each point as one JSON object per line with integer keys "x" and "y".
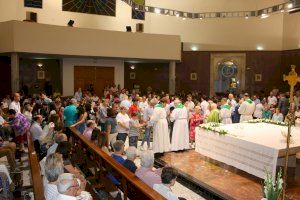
{"x": 225, "y": 112}
{"x": 161, "y": 137}
{"x": 246, "y": 109}
{"x": 180, "y": 136}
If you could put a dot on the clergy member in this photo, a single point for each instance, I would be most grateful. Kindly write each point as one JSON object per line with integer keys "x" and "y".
{"x": 246, "y": 109}
{"x": 180, "y": 135}
{"x": 161, "y": 138}
{"x": 214, "y": 114}
{"x": 225, "y": 112}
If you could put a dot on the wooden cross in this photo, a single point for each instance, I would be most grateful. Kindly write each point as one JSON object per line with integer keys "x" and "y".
{"x": 292, "y": 80}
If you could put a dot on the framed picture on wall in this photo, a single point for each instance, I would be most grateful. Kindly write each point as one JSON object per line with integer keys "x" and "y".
{"x": 40, "y": 75}
{"x": 132, "y": 75}
{"x": 193, "y": 76}
{"x": 258, "y": 77}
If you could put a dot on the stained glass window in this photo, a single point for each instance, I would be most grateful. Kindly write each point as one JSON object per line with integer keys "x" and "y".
{"x": 99, "y": 7}
{"x": 137, "y": 13}
{"x": 33, "y": 3}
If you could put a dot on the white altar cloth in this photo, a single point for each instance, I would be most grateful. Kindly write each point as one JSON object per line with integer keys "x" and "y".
{"x": 251, "y": 147}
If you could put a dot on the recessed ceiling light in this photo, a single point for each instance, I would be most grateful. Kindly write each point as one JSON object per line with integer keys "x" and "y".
{"x": 157, "y": 10}
{"x": 177, "y": 14}
{"x": 246, "y": 17}
{"x": 183, "y": 18}
{"x": 132, "y": 67}
{"x": 290, "y": 5}
{"x": 263, "y": 16}
{"x": 194, "y": 48}
{"x": 40, "y": 64}
{"x": 259, "y": 48}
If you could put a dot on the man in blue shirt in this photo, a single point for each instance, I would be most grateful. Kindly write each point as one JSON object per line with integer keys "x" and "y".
{"x": 70, "y": 116}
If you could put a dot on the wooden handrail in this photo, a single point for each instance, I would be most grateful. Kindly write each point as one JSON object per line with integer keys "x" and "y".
{"x": 37, "y": 181}
{"x": 128, "y": 180}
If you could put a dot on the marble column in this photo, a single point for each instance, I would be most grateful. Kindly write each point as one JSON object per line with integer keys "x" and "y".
{"x": 172, "y": 77}
{"x": 15, "y": 73}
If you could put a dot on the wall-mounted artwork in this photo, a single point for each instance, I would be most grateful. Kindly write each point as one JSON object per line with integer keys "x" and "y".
{"x": 193, "y": 76}
{"x": 258, "y": 77}
{"x": 40, "y": 75}
{"x": 33, "y": 3}
{"x": 98, "y": 7}
{"x": 132, "y": 75}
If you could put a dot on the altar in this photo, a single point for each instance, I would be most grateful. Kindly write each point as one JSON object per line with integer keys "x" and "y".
{"x": 251, "y": 147}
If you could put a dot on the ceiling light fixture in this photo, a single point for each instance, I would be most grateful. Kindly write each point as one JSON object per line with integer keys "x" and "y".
{"x": 290, "y": 5}
{"x": 177, "y": 14}
{"x": 183, "y": 18}
{"x": 259, "y": 48}
{"x": 247, "y": 17}
{"x": 264, "y": 16}
{"x": 132, "y": 67}
{"x": 194, "y": 48}
{"x": 157, "y": 10}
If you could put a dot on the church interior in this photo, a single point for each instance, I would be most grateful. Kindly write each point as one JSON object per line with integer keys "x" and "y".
{"x": 150, "y": 99}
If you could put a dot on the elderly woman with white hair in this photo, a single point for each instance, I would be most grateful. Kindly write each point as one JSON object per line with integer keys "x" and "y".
{"x": 195, "y": 119}
{"x": 53, "y": 168}
{"x": 146, "y": 172}
{"x": 131, "y": 156}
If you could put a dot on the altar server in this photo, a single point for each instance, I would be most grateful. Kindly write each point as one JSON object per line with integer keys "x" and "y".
{"x": 246, "y": 109}
{"x": 225, "y": 112}
{"x": 180, "y": 135}
{"x": 161, "y": 138}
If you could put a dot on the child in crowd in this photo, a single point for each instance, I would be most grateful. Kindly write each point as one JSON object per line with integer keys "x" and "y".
{"x": 134, "y": 129}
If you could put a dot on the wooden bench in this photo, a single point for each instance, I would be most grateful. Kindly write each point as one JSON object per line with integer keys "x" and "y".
{"x": 37, "y": 181}
{"x": 131, "y": 186}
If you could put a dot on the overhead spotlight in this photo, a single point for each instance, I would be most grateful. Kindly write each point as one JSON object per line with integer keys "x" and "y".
{"x": 282, "y": 10}
{"x": 290, "y": 5}
{"x": 71, "y": 23}
{"x": 157, "y": 10}
{"x": 132, "y": 67}
{"x": 263, "y": 16}
{"x": 177, "y": 14}
{"x": 194, "y": 48}
{"x": 259, "y": 48}
{"x": 201, "y": 18}
{"x": 247, "y": 17}
{"x": 183, "y": 18}
{"x": 40, "y": 64}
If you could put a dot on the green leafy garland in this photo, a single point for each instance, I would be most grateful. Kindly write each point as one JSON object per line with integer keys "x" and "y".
{"x": 268, "y": 121}
{"x": 212, "y": 126}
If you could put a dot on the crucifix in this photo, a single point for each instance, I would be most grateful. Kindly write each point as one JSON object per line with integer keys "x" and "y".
{"x": 292, "y": 80}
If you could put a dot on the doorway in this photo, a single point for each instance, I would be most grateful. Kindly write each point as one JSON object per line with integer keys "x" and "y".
{"x": 87, "y": 77}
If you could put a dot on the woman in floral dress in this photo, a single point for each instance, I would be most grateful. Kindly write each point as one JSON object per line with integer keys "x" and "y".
{"x": 195, "y": 119}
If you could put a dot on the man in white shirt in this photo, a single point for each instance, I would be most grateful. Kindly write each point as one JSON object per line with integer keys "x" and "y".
{"x": 232, "y": 102}
{"x": 15, "y": 104}
{"x": 190, "y": 103}
{"x": 123, "y": 124}
{"x": 272, "y": 100}
{"x": 204, "y": 105}
{"x": 168, "y": 179}
{"x": 36, "y": 129}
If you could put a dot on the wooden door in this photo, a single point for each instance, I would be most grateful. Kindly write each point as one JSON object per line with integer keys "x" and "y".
{"x": 99, "y": 77}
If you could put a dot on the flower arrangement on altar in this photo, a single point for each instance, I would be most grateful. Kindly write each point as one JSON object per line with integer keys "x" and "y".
{"x": 269, "y": 121}
{"x": 272, "y": 190}
{"x": 213, "y": 127}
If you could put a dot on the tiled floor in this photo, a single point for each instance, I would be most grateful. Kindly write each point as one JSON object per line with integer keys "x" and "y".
{"x": 224, "y": 179}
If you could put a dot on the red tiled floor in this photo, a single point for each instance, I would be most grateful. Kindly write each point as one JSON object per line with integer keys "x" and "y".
{"x": 224, "y": 179}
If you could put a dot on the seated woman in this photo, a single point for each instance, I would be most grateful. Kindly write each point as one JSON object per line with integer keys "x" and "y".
{"x": 53, "y": 168}
{"x": 69, "y": 188}
{"x": 99, "y": 138}
{"x": 146, "y": 172}
{"x": 277, "y": 116}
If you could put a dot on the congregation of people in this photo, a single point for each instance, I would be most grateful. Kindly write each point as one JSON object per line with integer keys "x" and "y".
{"x": 164, "y": 122}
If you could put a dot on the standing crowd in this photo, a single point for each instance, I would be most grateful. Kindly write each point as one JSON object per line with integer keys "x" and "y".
{"x": 119, "y": 116}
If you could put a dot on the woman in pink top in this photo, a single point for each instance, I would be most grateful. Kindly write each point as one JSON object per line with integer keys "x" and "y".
{"x": 195, "y": 120}
{"x": 90, "y": 125}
